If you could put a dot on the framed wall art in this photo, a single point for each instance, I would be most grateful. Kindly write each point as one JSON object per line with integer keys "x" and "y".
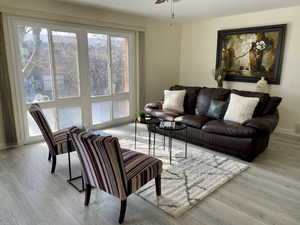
{"x": 248, "y": 54}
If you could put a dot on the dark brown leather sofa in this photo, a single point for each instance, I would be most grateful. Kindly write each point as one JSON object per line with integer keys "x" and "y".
{"x": 245, "y": 140}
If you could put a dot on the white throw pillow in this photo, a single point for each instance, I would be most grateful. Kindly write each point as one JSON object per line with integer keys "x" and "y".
{"x": 174, "y": 100}
{"x": 240, "y": 108}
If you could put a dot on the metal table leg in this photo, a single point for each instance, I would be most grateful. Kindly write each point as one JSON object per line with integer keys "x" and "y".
{"x": 164, "y": 140}
{"x": 170, "y": 146}
{"x": 154, "y": 133}
{"x": 71, "y": 179}
{"x": 186, "y": 137}
{"x": 135, "y": 128}
{"x": 149, "y": 141}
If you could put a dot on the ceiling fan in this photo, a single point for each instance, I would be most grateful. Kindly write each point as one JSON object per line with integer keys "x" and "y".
{"x": 157, "y": 2}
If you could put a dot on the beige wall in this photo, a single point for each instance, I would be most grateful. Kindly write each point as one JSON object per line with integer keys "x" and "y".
{"x": 198, "y": 56}
{"x": 161, "y": 58}
{"x": 162, "y": 41}
{"x": 2, "y": 135}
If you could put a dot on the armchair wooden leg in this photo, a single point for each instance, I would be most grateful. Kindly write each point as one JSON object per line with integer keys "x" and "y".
{"x": 49, "y": 157}
{"x": 122, "y": 211}
{"x": 158, "y": 185}
{"x": 53, "y": 163}
{"x": 88, "y": 190}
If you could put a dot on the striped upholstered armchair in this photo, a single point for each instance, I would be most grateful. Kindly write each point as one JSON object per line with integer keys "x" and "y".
{"x": 59, "y": 142}
{"x": 115, "y": 171}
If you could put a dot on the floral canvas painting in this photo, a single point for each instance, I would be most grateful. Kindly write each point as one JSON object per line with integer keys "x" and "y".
{"x": 251, "y": 53}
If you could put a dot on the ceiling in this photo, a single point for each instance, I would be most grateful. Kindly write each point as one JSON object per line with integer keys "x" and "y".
{"x": 187, "y": 9}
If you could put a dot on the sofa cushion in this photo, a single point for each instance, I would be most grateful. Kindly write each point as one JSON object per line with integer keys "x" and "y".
{"x": 272, "y": 105}
{"x": 193, "y": 120}
{"x": 263, "y": 100}
{"x": 228, "y": 128}
{"x": 168, "y": 115}
{"x": 190, "y": 97}
{"x": 153, "y": 105}
{"x": 206, "y": 95}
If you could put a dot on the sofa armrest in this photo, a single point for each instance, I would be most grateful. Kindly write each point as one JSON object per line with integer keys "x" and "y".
{"x": 152, "y": 105}
{"x": 266, "y": 123}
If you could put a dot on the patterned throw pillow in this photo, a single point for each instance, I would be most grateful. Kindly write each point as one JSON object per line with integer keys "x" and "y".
{"x": 174, "y": 100}
{"x": 240, "y": 108}
{"x": 216, "y": 109}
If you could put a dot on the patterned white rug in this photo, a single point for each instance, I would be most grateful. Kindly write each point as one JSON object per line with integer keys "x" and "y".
{"x": 187, "y": 181}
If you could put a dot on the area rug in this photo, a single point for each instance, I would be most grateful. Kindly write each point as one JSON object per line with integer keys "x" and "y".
{"x": 187, "y": 181}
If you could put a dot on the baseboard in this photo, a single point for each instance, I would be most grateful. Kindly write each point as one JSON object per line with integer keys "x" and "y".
{"x": 8, "y": 146}
{"x": 2, "y": 146}
{"x": 287, "y": 134}
{"x": 285, "y": 131}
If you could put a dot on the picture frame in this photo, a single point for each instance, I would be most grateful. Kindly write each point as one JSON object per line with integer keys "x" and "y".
{"x": 247, "y": 54}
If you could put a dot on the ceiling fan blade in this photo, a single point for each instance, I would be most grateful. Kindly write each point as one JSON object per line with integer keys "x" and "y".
{"x": 160, "y": 1}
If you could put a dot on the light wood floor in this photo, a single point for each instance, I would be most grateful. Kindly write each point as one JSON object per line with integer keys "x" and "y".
{"x": 268, "y": 193}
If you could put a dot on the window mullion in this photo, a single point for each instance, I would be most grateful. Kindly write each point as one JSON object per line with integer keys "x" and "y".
{"x": 110, "y": 74}
{"x": 52, "y": 64}
{"x": 53, "y": 73}
{"x": 84, "y": 79}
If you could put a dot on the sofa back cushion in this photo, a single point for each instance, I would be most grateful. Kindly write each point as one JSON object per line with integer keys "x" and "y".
{"x": 272, "y": 105}
{"x": 206, "y": 95}
{"x": 263, "y": 100}
{"x": 190, "y": 97}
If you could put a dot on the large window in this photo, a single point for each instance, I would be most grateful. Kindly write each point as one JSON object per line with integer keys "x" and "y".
{"x": 109, "y": 76}
{"x": 79, "y": 76}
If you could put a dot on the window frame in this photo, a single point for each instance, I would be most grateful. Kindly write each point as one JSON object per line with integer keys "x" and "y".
{"x": 84, "y": 101}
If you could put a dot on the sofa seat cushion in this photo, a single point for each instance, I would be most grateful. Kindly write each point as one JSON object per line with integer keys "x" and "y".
{"x": 164, "y": 114}
{"x": 228, "y": 128}
{"x": 195, "y": 121}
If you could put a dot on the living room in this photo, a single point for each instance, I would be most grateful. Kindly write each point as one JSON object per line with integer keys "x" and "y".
{"x": 149, "y": 112}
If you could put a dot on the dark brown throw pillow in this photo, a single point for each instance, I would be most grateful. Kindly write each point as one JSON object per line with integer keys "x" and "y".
{"x": 217, "y": 109}
{"x": 272, "y": 105}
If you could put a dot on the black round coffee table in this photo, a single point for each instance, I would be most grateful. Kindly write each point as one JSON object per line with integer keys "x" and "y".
{"x": 169, "y": 130}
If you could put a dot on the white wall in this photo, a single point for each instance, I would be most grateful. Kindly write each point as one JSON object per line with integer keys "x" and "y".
{"x": 162, "y": 42}
{"x": 198, "y": 56}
